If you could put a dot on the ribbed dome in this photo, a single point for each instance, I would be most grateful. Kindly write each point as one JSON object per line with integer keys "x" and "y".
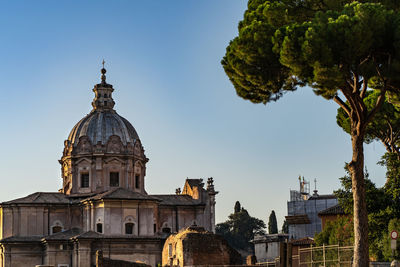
{"x": 100, "y": 125}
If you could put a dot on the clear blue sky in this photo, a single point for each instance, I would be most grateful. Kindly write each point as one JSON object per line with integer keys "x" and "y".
{"x": 163, "y": 58}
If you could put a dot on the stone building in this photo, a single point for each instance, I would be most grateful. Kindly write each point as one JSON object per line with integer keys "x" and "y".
{"x": 103, "y": 203}
{"x": 196, "y": 246}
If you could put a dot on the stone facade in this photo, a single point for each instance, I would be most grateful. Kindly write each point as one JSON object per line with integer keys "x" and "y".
{"x": 103, "y": 204}
{"x": 196, "y": 246}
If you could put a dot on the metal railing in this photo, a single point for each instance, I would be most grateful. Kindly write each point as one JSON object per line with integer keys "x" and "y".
{"x": 273, "y": 263}
{"x": 325, "y": 256}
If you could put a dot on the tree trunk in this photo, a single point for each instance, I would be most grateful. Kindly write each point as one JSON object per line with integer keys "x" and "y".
{"x": 356, "y": 166}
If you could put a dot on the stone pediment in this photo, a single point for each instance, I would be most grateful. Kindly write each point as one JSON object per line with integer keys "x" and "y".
{"x": 122, "y": 194}
{"x": 84, "y": 159}
{"x": 114, "y": 160}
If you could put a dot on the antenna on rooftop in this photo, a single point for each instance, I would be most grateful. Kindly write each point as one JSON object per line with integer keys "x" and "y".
{"x": 315, "y": 187}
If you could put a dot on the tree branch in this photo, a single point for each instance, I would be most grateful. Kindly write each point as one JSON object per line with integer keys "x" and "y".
{"x": 378, "y": 104}
{"x": 364, "y": 89}
{"x": 342, "y": 104}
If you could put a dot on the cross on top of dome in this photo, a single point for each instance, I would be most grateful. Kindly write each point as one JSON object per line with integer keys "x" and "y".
{"x": 103, "y": 73}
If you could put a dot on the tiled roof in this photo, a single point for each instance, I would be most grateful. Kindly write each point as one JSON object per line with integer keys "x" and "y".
{"x": 330, "y": 196}
{"x": 41, "y": 198}
{"x": 334, "y": 210}
{"x": 18, "y": 239}
{"x": 89, "y": 234}
{"x": 121, "y": 193}
{"x": 178, "y": 200}
{"x": 65, "y": 235}
{"x": 298, "y": 219}
{"x": 302, "y": 241}
{"x": 266, "y": 238}
{"x": 95, "y": 235}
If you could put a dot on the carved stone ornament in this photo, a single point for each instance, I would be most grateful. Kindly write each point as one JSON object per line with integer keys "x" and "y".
{"x": 84, "y": 145}
{"x": 65, "y": 170}
{"x": 114, "y": 144}
{"x": 138, "y": 149}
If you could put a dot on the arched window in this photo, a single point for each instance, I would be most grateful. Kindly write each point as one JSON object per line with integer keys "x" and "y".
{"x": 99, "y": 228}
{"x": 56, "y": 229}
{"x": 129, "y": 228}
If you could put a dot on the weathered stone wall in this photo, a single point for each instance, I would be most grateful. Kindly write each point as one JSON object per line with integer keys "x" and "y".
{"x": 38, "y": 220}
{"x": 106, "y": 262}
{"x": 195, "y": 246}
{"x": 21, "y": 255}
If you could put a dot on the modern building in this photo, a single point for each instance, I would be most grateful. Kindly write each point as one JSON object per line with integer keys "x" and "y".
{"x": 303, "y": 210}
{"x": 103, "y": 203}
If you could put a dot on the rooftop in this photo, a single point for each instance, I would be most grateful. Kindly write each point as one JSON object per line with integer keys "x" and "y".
{"x": 334, "y": 210}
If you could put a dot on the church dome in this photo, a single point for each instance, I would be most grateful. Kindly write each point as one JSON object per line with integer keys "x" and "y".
{"x": 103, "y": 121}
{"x": 100, "y": 125}
{"x": 103, "y": 150}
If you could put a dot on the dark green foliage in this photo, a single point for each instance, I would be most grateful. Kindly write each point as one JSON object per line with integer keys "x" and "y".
{"x": 240, "y": 228}
{"x": 237, "y": 207}
{"x": 336, "y": 232}
{"x": 285, "y": 44}
{"x": 272, "y": 223}
{"x": 376, "y": 197}
{"x": 385, "y": 127}
{"x": 392, "y": 186}
{"x": 382, "y": 206}
{"x": 285, "y": 227}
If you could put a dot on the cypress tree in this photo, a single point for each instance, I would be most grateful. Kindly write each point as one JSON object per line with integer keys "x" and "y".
{"x": 238, "y": 207}
{"x": 272, "y": 224}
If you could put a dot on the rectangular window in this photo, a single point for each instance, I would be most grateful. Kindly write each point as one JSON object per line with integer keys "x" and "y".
{"x": 137, "y": 180}
{"x": 84, "y": 179}
{"x": 114, "y": 179}
{"x": 129, "y": 228}
{"x": 99, "y": 228}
